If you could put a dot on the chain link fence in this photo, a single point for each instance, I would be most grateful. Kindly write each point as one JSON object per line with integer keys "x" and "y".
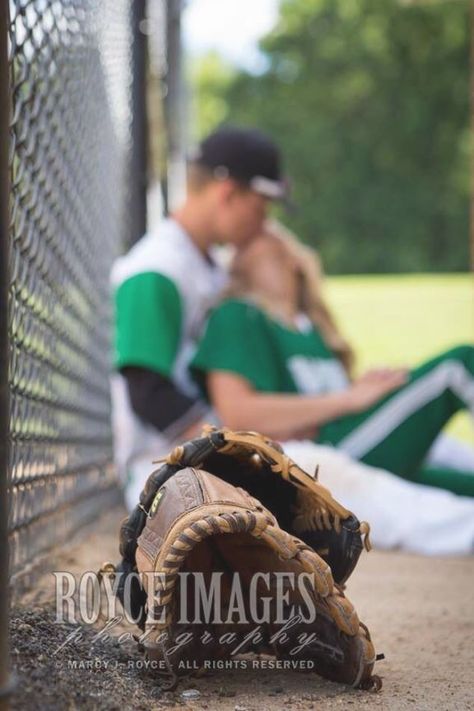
{"x": 73, "y": 205}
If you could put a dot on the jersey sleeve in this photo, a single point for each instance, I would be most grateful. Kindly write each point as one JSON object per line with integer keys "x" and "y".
{"x": 148, "y": 321}
{"x": 235, "y": 340}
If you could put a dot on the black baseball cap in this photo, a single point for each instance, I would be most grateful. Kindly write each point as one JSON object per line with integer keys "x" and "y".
{"x": 246, "y": 155}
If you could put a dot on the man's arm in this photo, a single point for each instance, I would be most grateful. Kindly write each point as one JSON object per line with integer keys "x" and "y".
{"x": 156, "y": 400}
{"x": 149, "y": 322}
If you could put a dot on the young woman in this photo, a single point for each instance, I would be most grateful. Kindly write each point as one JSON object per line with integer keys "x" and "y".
{"x": 272, "y": 360}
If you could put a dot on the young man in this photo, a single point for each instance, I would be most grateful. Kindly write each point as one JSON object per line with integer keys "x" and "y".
{"x": 163, "y": 288}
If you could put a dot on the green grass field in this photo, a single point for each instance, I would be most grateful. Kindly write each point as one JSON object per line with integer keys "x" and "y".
{"x": 403, "y": 320}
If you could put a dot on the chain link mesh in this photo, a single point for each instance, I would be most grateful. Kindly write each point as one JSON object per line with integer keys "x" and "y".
{"x": 70, "y": 162}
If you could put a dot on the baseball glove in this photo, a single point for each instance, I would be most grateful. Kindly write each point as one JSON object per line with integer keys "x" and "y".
{"x": 231, "y": 506}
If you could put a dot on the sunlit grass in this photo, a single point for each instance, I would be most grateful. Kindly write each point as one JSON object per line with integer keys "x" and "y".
{"x": 403, "y": 320}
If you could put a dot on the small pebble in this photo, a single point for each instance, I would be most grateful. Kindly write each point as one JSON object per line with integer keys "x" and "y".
{"x": 190, "y": 694}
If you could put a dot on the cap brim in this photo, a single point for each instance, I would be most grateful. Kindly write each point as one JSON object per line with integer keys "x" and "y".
{"x": 277, "y": 190}
{"x": 272, "y": 189}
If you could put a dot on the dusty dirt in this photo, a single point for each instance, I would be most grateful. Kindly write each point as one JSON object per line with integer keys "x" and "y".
{"x": 420, "y": 612}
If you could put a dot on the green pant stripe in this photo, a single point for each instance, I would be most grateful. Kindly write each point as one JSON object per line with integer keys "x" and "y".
{"x": 449, "y": 373}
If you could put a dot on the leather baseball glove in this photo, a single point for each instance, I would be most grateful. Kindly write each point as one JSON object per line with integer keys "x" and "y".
{"x": 238, "y": 550}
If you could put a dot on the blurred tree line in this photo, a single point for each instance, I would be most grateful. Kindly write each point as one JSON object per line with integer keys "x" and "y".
{"x": 369, "y": 100}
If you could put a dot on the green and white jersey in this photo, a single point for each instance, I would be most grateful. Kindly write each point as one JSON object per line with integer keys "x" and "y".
{"x": 395, "y": 434}
{"x": 274, "y": 358}
{"x": 163, "y": 289}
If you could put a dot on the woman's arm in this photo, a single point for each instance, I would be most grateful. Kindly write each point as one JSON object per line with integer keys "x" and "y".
{"x": 283, "y": 416}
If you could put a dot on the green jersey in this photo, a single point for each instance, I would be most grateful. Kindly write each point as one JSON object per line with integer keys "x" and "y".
{"x": 273, "y": 357}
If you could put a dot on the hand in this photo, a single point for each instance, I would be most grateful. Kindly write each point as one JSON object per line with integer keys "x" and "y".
{"x": 374, "y": 385}
{"x": 382, "y": 371}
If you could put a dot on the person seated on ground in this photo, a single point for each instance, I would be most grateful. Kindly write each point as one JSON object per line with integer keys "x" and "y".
{"x": 163, "y": 288}
{"x": 271, "y": 359}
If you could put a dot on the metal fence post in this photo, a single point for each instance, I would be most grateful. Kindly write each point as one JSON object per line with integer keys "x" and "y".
{"x": 5, "y": 678}
{"x": 139, "y": 126}
{"x": 174, "y": 105}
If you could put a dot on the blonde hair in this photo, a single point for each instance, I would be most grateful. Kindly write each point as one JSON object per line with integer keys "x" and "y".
{"x": 311, "y": 300}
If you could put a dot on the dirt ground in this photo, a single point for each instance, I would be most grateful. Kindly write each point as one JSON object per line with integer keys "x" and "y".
{"x": 420, "y": 612}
